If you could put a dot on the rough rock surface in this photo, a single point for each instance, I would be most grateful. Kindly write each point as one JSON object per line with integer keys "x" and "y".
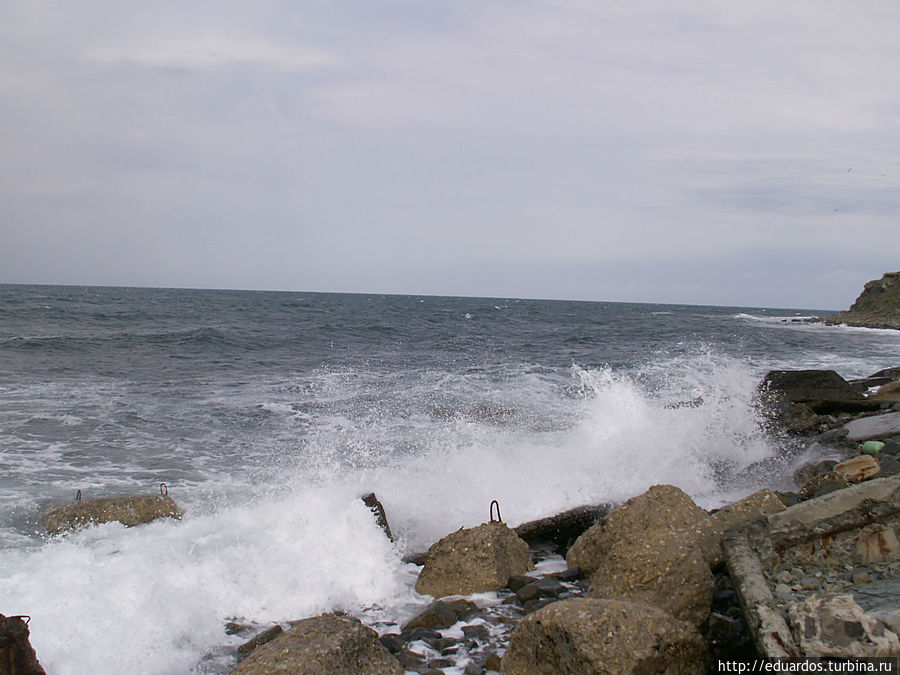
{"x": 130, "y": 511}
{"x": 474, "y": 560}
{"x": 665, "y": 568}
{"x": 323, "y": 644}
{"x": 878, "y": 306}
{"x": 834, "y": 625}
{"x": 803, "y": 386}
{"x": 858, "y": 469}
{"x": 888, "y": 392}
{"x": 586, "y": 637}
{"x": 662, "y": 507}
{"x": 17, "y": 656}
{"x": 709, "y": 530}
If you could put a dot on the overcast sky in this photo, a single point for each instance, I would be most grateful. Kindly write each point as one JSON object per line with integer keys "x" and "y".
{"x": 694, "y": 152}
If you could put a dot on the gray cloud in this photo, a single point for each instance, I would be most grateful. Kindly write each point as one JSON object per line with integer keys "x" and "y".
{"x": 400, "y": 147}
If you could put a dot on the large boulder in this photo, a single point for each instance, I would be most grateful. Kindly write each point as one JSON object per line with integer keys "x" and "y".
{"x": 17, "y": 656}
{"x": 594, "y": 637}
{"x": 662, "y": 507}
{"x": 834, "y": 625}
{"x": 665, "y": 568}
{"x": 878, "y": 306}
{"x": 804, "y": 386}
{"x": 129, "y": 510}
{"x": 474, "y": 560}
{"x": 324, "y": 644}
{"x": 709, "y": 530}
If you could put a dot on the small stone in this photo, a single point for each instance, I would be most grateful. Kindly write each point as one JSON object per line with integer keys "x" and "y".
{"x": 492, "y": 662}
{"x": 784, "y": 576}
{"x": 477, "y": 632}
{"x": 783, "y": 590}
{"x": 861, "y": 577}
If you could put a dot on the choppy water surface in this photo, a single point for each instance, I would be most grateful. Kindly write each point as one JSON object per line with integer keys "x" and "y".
{"x": 268, "y": 414}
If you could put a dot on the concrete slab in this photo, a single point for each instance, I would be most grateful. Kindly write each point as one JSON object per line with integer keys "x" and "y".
{"x": 877, "y": 426}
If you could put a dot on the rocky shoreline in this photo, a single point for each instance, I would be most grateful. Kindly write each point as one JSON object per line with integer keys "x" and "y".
{"x": 645, "y": 586}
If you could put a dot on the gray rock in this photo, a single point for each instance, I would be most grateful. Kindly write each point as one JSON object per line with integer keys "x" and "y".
{"x": 874, "y": 427}
{"x": 603, "y": 636}
{"x": 474, "y": 560}
{"x": 436, "y": 615}
{"x": 377, "y": 508}
{"x": 323, "y": 644}
{"x": 802, "y": 386}
{"x": 564, "y": 528}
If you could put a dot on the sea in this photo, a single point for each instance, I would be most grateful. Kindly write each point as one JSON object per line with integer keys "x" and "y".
{"x": 268, "y": 414}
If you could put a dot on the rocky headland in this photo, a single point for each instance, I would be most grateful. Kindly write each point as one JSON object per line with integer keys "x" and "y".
{"x": 878, "y": 306}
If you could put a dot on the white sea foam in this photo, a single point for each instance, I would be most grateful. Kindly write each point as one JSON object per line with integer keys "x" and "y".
{"x": 289, "y": 537}
{"x": 154, "y": 599}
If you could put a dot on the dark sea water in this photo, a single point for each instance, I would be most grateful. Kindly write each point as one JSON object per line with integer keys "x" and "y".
{"x": 268, "y": 414}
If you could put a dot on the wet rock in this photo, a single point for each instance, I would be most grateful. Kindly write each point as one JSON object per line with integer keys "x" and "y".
{"x": 492, "y": 662}
{"x": 266, "y": 636}
{"x": 129, "y": 510}
{"x": 322, "y": 644}
{"x": 603, "y": 636}
{"x": 662, "y": 507}
{"x": 890, "y": 466}
{"x": 663, "y": 568}
{"x": 377, "y": 508}
{"x": 836, "y": 626}
{"x": 564, "y": 528}
{"x": 474, "y": 560}
{"x": 804, "y": 386}
{"x": 17, "y": 656}
{"x": 858, "y": 469}
{"x": 436, "y": 615}
{"x": 823, "y": 484}
{"x": 477, "y": 632}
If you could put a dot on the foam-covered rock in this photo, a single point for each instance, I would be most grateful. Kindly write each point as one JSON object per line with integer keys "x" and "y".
{"x": 662, "y": 507}
{"x": 323, "y": 644}
{"x": 474, "y": 560}
{"x": 603, "y": 636}
{"x": 129, "y": 510}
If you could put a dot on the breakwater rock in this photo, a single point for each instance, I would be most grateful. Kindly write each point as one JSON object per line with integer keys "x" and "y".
{"x": 129, "y": 510}
{"x": 878, "y": 306}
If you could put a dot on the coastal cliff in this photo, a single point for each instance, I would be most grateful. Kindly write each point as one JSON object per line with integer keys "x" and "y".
{"x": 878, "y": 306}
